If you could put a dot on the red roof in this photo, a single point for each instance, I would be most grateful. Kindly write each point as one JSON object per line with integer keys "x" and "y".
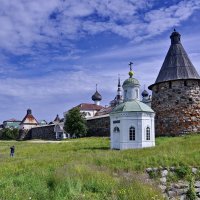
{"x": 104, "y": 111}
{"x": 89, "y": 106}
{"x": 12, "y": 120}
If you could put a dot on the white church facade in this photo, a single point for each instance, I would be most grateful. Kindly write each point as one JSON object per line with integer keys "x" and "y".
{"x": 132, "y": 122}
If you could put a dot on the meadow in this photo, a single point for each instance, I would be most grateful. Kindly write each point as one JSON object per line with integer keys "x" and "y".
{"x": 87, "y": 169}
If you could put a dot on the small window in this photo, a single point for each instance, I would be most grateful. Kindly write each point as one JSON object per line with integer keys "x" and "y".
{"x": 170, "y": 84}
{"x": 147, "y": 133}
{"x": 185, "y": 83}
{"x": 137, "y": 93}
{"x": 116, "y": 129}
{"x": 132, "y": 133}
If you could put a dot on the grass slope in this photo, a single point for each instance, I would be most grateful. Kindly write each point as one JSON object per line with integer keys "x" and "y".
{"x": 87, "y": 169}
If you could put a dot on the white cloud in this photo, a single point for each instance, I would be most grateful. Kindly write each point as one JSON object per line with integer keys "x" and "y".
{"x": 41, "y": 28}
{"x": 25, "y": 23}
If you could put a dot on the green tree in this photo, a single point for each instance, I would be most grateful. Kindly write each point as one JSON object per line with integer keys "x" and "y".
{"x": 75, "y": 123}
{"x": 9, "y": 134}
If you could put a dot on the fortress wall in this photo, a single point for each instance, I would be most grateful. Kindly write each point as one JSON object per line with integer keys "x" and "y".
{"x": 177, "y": 107}
{"x": 43, "y": 132}
{"x": 99, "y": 126}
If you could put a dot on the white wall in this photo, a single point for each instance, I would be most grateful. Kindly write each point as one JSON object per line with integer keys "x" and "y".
{"x": 131, "y": 93}
{"x": 139, "y": 121}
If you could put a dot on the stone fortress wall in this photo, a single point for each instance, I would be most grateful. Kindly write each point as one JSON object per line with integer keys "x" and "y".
{"x": 99, "y": 126}
{"x": 177, "y": 107}
{"x": 43, "y": 132}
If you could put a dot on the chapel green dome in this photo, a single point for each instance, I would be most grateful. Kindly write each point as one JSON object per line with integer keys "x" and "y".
{"x": 132, "y": 106}
{"x": 130, "y": 82}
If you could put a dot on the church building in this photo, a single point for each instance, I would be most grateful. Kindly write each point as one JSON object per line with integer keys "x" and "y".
{"x": 132, "y": 121}
{"x": 28, "y": 122}
{"x": 175, "y": 93}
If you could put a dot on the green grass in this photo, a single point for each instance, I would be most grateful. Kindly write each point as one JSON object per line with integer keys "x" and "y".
{"x": 87, "y": 169}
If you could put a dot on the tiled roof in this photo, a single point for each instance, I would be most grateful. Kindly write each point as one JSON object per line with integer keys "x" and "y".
{"x": 12, "y": 120}
{"x": 177, "y": 64}
{"x": 89, "y": 106}
{"x": 104, "y": 111}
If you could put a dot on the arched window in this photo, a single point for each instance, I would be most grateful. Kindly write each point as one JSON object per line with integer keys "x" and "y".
{"x": 132, "y": 133}
{"x": 116, "y": 129}
{"x": 147, "y": 133}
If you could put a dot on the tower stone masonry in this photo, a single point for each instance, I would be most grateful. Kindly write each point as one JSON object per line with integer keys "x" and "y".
{"x": 176, "y": 93}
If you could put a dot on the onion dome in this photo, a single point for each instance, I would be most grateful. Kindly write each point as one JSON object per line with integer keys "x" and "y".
{"x": 145, "y": 93}
{"x": 96, "y": 96}
{"x": 130, "y": 82}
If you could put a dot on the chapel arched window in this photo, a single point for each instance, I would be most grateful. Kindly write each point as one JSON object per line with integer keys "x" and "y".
{"x": 132, "y": 133}
{"x": 147, "y": 133}
{"x": 116, "y": 129}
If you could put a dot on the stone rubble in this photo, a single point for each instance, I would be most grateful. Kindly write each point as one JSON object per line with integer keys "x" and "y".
{"x": 174, "y": 191}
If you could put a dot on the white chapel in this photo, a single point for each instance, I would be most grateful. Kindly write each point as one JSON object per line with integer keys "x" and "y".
{"x": 132, "y": 121}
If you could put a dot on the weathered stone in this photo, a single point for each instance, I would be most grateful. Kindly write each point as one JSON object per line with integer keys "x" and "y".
{"x": 43, "y": 132}
{"x": 183, "y": 184}
{"x": 177, "y": 112}
{"x": 181, "y": 191}
{"x": 197, "y": 184}
{"x": 183, "y": 197}
{"x": 163, "y": 180}
{"x": 149, "y": 170}
{"x": 164, "y": 173}
{"x": 155, "y": 169}
{"x": 99, "y": 126}
{"x": 197, "y": 190}
{"x": 194, "y": 170}
{"x": 171, "y": 193}
{"x": 162, "y": 187}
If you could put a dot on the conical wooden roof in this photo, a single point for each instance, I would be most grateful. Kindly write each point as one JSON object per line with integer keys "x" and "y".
{"x": 177, "y": 64}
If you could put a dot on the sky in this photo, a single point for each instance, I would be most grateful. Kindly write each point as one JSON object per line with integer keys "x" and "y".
{"x": 53, "y": 53}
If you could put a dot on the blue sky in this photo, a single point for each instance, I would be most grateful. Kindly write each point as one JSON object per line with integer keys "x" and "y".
{"x": 52, "y": 53}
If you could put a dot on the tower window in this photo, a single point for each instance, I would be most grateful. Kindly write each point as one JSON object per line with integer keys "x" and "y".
{"x": 147, "y": 133}
{"x": 185, "y": 83}
{"x": 132, "y": 133}
{"x": 170, "y": 84}
{"x": 116, "y": 129}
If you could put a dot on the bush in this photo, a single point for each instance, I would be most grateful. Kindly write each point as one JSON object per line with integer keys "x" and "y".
{"x": 9, "y": 134}
{"x": 183, "y": 171}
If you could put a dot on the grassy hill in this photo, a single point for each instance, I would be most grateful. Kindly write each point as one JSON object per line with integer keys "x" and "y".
{"x": 87, "y": 169}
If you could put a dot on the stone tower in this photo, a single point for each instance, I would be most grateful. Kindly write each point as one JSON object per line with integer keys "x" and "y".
{"x": 176, "y": 93}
